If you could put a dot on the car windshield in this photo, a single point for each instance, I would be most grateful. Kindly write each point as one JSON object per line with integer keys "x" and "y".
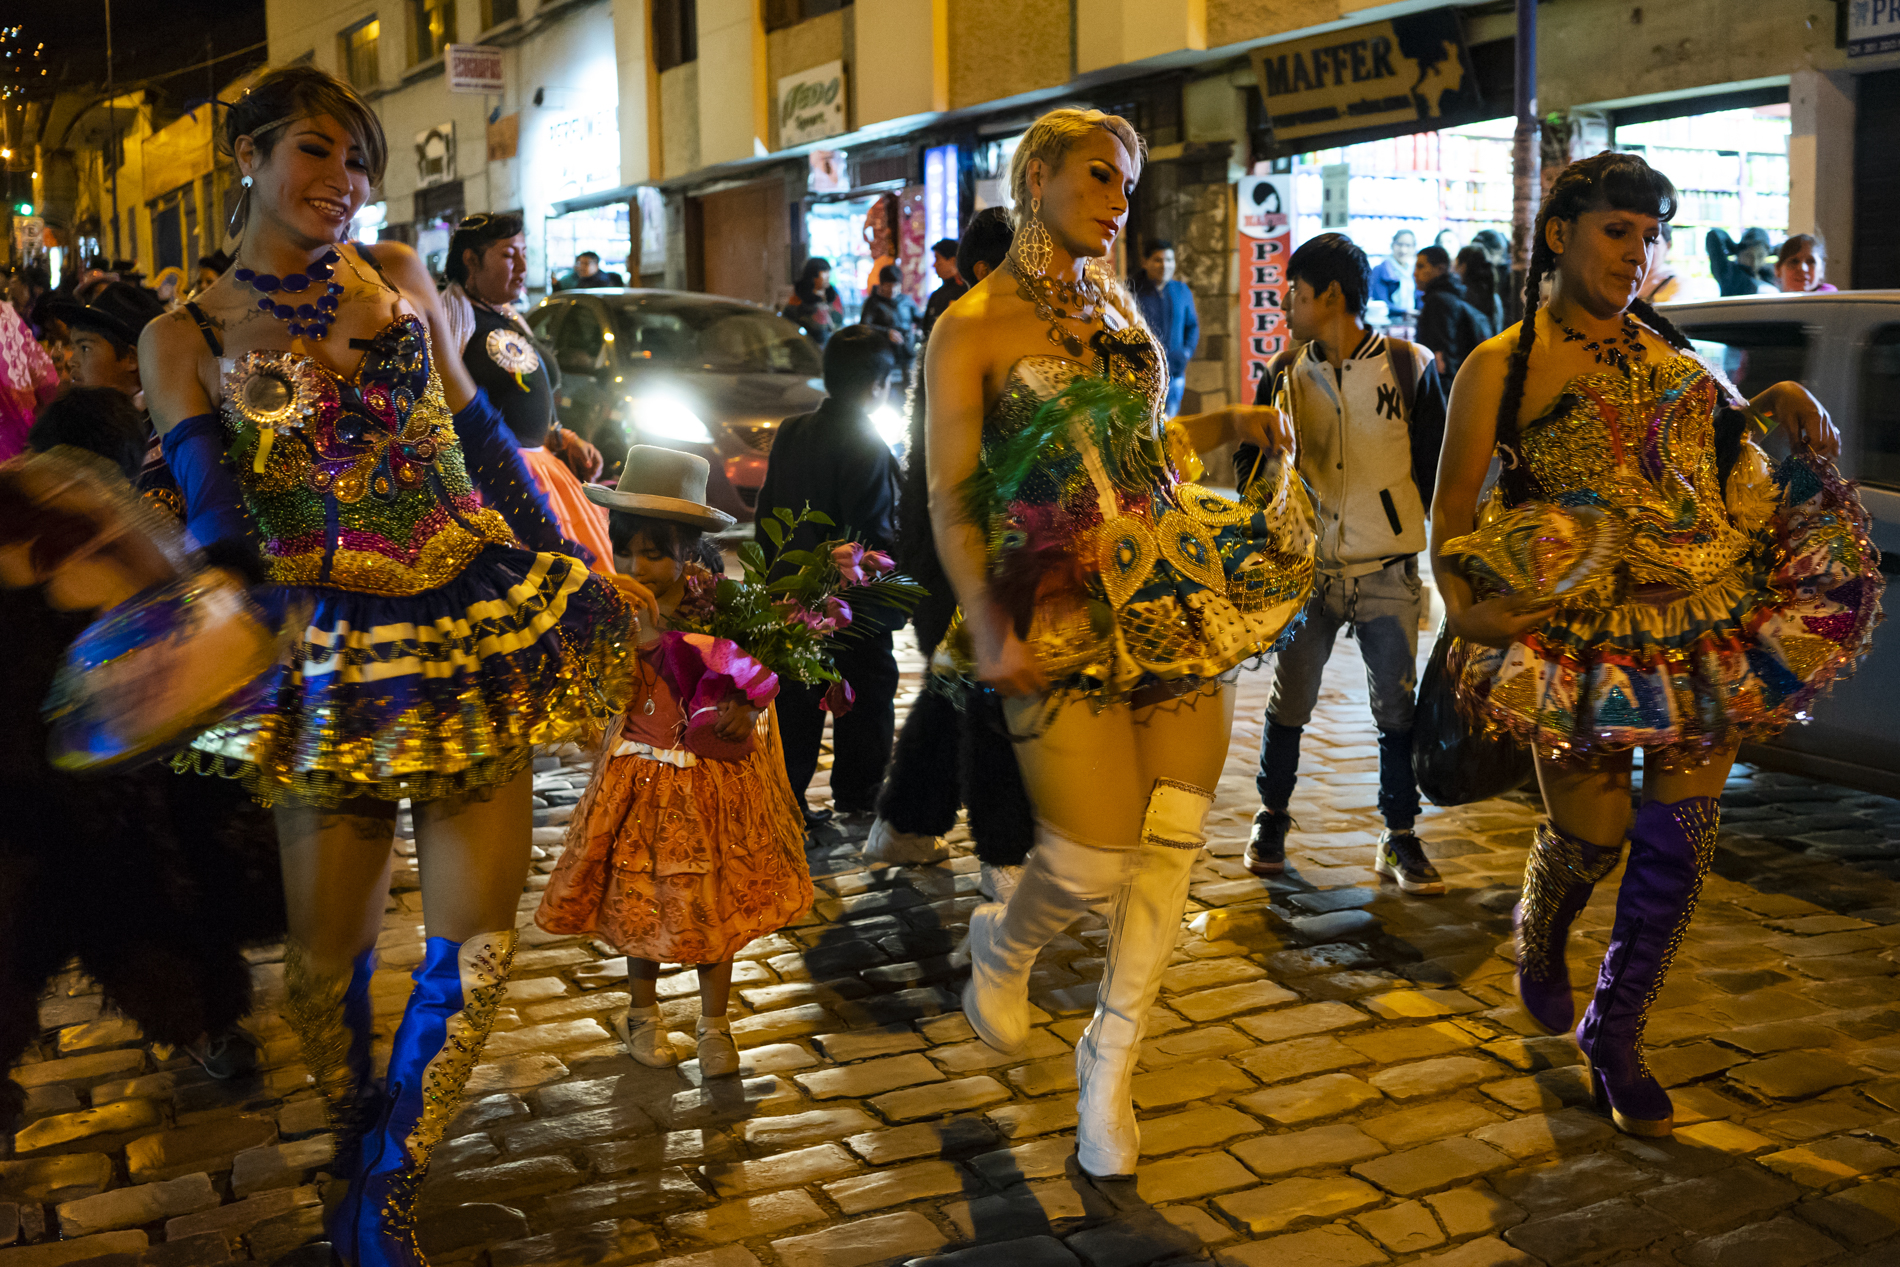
{"x": 714, "y": 337}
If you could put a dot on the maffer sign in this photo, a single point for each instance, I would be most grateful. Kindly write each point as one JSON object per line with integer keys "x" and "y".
{"x": 1386, "y": 75}
{"x": 811, "y": 105}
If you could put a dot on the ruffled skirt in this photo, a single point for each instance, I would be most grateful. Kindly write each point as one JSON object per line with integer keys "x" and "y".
{"x": 1695, "y": 673}
{"x": 435, "y": 694}
{"x": 683, "y": 865}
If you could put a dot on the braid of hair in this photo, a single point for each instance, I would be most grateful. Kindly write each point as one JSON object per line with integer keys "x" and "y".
{"x": 1541, "y": 261}
{"x": 1731, "y": 422}
{"x": 1643, "y": 312}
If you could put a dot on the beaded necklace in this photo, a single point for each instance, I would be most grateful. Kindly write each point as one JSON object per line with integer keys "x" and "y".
{"x": 305, "y": 320}
{"x": 1617, "y": 350}
{"x": 1053, "y": 301}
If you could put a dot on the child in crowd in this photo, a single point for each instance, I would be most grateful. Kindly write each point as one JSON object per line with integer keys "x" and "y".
{"x": 688, "y": 843}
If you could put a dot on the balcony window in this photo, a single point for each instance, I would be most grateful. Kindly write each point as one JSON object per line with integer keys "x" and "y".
{"x": 357, "y": 51}
{"x": 435, "y": 27}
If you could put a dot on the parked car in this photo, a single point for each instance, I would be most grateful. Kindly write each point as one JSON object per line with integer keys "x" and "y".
{"x": 1846, "y": 347}
{"x": 709, "y": 375}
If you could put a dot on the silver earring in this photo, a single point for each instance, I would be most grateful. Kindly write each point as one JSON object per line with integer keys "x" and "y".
{"x": 237, "y": 211}
{"x": 1033, "y": 246}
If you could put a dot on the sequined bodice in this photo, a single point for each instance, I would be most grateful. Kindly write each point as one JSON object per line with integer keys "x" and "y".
{"x": 1643, "y": 444}
{"x": 1128, "y": 357}
{"x": 355, "y": 482}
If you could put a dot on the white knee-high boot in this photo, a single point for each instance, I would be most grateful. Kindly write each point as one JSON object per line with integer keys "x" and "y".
{"x": 1061, "y": 880}
{"x": 1142, "y": 933}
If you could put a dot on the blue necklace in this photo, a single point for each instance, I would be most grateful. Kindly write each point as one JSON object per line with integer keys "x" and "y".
{"x": 306, "y": 320}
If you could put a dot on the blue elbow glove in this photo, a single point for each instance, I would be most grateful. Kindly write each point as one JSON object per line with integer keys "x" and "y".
{"x": 214, "y": 506}
{"x": 497, "y": 467}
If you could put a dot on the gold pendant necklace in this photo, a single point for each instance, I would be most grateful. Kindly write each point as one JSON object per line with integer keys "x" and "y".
{"x": 1058, "y": 301}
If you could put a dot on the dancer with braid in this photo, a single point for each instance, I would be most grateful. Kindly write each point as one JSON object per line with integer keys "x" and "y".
{"x": 1642, "y": 577}
{"x": 309, "y": 415}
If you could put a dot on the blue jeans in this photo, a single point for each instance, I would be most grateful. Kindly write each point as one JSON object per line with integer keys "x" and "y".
{"x": 1381, "y": 610}
{"x": 1176, "y": 386}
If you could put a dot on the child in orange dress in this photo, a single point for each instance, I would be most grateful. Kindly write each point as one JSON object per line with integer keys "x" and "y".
{"x": 688, "y": 843}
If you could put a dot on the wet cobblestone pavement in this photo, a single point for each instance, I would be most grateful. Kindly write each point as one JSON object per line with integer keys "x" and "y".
{"x": 1336, "y": 1075}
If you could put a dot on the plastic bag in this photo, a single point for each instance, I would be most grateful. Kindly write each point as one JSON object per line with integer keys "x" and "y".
{"x": 1454, "y": 760}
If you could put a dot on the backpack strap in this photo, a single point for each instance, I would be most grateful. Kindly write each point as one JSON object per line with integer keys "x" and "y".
{"x": 206, "y": 328}
{"x": 1404, "y": 366}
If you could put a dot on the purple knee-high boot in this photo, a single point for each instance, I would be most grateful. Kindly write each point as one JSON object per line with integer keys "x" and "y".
{"x": 1559, "y": 877}
{"x": 1671, "y": 847}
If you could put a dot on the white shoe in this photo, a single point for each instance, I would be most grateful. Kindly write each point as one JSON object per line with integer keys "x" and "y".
{"x": 997, "y": 883}
{"x": 646, "y": 1037}
{"x": 994, "y": 1002}
{"x": 900, "y": 848}
{"x": 718, "y": 1054}
{"x": 1142, "y": 932}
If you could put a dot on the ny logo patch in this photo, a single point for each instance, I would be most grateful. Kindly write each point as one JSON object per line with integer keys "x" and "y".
{"x": 1389, "y": 403}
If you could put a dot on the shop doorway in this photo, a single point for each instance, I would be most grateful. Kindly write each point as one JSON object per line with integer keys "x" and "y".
{"x": 745, "y": 237}
{"x": 835, "y": 231}
{"x": 606, "y": 231}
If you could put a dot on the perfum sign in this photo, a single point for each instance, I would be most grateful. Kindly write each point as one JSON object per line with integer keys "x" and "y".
{"x": 811, "y": 105}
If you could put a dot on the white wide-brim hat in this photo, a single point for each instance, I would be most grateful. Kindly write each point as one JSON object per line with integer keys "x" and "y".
{"x": 663, "y": 484}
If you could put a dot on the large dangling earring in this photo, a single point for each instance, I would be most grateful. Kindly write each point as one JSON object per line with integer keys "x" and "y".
{"x": 237, "y": 212}
{"x": 1033, "y": 246}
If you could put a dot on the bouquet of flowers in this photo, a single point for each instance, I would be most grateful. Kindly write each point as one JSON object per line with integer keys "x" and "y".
{"x": 744, "y": 634}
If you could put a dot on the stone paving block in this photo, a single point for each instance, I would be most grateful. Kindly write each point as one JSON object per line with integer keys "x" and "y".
{"x": 1279, "y": 1206}
{"x": 1674, "y": 1066}
{"x": 279, "y": 1165}
{"x": 1423, "y": 1123}
{"x": 1205, "y": 974}
{"x": 1797, "y": 1075}
{"x": 1044, "y": 1077}
{"x": 103, "y": 1123}
{"x": 1316, "y": 1148}
{"x": 1201, "y": 1127}
{"x": 272, "y": 1238}
{"x": 529, "y": 1069}
{"x": 725, "y": 1256}
{"x": 209, "y": 1146}
{"x": 1212, "y": 1005}
{"x": 1203, "y": 1226}
{"x": 1546, "y": 1132}
{"x": 1570, "y": 1182}
{"x": 58, "y": 1253}
{"x": 637, "y": 1196}
{"x": 1722, "y": 1199}
{"x": 1326, "y": 1096}
{"x": 746, "y": 1218}
{"x": 1402, "y": 1005}
{"x": 70, "y": 1177}
{"x": 972, "y": 1057}
{"x": 1322, "y": 1247}
{"x": 1038, "y": 1117}
{"x": 952, "y": 1137}
{"x": 239, "y": 1217}
{"x": 888, "y": 1040}
{"x": 674, "y": 1148}
{"x": 531, "y": 1176}
{"x": 1030, "y": 1251}
{"x": 1432, "y": 1077}
{"x": 781, "y": 1170}
{"x": 1532, "y": 1054}
{"x": 957, "y": 1096}
{"x": 1040, "y": 1159}
{"x": 1300, "y": 1058}
{"x": 1314, "y": 1018}
{"x": 869, "y": 1077}
{"x": 1782, "y": 1242}
{"x": 135, "y": 1206}
{"x": 1179, "y": 1084}
{"x": 861, "y": 1241}
{"x": 111, "y": 1031}
{"x": 607, "y": 1243}
{"x": 1190, "y": 1178}
{"x": 1591, "y": 1233}
{"x": 1488, "y": 1251}
{"x": 784, "y": 1024}
{"x": 1762, "y": 1040}
{"x": 726, "y": 1100}
{"x": 1210, "y": 1043}
{"x": 1433, "y": 1166}
{"x": 558, "y": 1036}
{"x": 1412, "y": 1042}
{"x": 1406, "y": 1228}
{"x": 466, "y": 1225}
{"x": 1859, "y": 1215}
{"x": 205, "y": 1250}
{"x": 1138, "y": 1237}
{"x": 80, "y": 1071}
{"x": 1724, "y": 1136}
{"x": 1055, "y": 1206}
{"x": 1474, "y": 1210}
{"x": 1550, "y": 1090}
{"x": 1830, "y": 1162}
{"x": 885, "y": 1188}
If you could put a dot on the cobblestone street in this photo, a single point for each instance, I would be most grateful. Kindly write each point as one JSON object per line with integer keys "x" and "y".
{"x": 1336, "y": 1075}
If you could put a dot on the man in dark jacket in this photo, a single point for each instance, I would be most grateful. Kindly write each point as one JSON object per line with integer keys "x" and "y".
{"x": 834, "y": 461}
{"x": 888, "y": 309}
{"x": 1448, "y": 324}
{"x": 1741, "y": 268}
{"x": 944, "y": 259}
{"x": 1168, "y": 307}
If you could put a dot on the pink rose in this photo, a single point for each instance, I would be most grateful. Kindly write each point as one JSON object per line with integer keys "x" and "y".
{"x": 877, "y": 563}
{"x": 846, "y": 558}
{"x": 837, "y": 612}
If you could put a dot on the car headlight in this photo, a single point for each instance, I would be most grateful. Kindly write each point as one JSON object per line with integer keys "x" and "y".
{"x": 889, "y": 424}
{"x": 665, "y": 418}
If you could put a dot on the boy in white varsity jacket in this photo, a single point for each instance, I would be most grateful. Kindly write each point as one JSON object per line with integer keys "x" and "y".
{"x": 1370, "y": 413}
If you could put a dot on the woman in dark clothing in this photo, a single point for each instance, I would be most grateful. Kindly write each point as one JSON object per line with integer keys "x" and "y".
{"x": 1448, "y": 323}
{"x": 1480, "y": 279}
{"x": 815, "y": 306}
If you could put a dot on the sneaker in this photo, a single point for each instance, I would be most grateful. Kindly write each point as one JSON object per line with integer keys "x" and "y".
{"x": 1266, "y": 843}
{"x": 888, "y": 845}
{"x": 229, "y": 1054}
{"x": 1402, "y": 857}
{"x": 997, "y": 883}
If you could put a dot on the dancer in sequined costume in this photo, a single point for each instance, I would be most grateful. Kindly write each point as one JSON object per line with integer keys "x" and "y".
{"x": 1104, "y": 598}
{"x": 1642, "y": 577}
{"x": 447, "y": 627}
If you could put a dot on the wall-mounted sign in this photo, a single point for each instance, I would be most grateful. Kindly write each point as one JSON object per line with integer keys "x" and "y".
{"x": 1385, "y": 75}
{"x": 586, "y": 150}
{"x": 504, "y": 138}
{"x": 435, "y": 155}
{"x": 473, "y": 68}
{"x": 811, "y": 104}
{"x": 1873, "y": 26}
{"x": 1264, "y": 231}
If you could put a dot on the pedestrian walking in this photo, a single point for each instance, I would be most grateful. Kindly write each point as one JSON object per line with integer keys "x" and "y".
{"x": 442, "y": 637}
{"x": 1725, "y": 627}
{"x": 834, "y": 461}
{"x": 679, "y": 852}
{"x": 1370, "y": 413}
{"x": 950, "y": 287}
{"x": 890, "y": 312}
{"x": 1167, "y": 305}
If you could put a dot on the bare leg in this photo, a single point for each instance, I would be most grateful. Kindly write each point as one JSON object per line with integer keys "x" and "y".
{"x": 1670, "y": 783}
{"x": 643, "y": 976}
{"x": 1589, "y": 800}
{"x": 715, "y": 987}
{"x": 336, "y": 879}
{"x": 474, "y": 855}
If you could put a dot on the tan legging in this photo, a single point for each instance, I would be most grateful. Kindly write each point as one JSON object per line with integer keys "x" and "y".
{"x": 1089, "y": 774}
